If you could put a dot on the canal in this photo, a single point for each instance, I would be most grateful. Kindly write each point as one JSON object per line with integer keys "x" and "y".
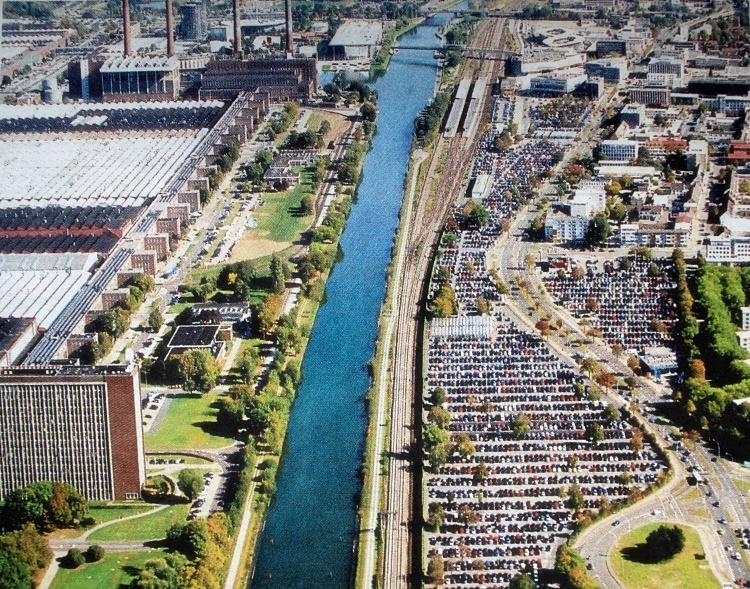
{"x": 309, "y": 533}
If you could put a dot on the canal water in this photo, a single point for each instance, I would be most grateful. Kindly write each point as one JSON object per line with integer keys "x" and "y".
{"x": 308, "y": 538}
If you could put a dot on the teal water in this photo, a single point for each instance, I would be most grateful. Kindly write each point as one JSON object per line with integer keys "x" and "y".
{"x": 308, "y": 538}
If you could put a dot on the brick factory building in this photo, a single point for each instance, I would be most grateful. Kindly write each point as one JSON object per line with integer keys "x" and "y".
{"x": 79, "y": 425}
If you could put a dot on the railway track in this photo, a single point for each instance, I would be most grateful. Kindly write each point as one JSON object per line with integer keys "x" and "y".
{"x": 402, "y": 519}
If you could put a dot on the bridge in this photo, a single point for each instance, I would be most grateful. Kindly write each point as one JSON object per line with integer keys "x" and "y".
{"x": 467, "y": 51}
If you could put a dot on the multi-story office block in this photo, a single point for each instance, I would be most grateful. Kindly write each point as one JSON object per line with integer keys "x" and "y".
{"x": 76, "y": 424}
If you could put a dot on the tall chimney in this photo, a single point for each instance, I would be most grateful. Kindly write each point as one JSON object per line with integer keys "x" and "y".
{"x": 237, "y": 34}
{"x": 170, "y": 30}
{"x": 126, "y": 28}
{"x": 289, "y": 41}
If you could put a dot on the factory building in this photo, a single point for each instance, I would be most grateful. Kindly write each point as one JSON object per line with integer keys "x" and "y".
{"x": 78, "y": 425}
{"x": 280, "y": 79}
{"x": 140, "y": 78}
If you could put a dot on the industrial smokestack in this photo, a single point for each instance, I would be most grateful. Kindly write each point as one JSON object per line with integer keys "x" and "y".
{"x": 289, "y": 40}
{"x": 126, "y": 28}
{"x": 170, "y": 30}
{"x": 237, "y": 35}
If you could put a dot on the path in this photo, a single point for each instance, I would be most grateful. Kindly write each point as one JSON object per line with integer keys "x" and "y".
{"x": 60, "y": 547}
{"x": 247, "y": 512}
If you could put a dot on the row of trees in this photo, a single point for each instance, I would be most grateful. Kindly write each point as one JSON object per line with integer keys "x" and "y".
{"x": 711, "y": 357}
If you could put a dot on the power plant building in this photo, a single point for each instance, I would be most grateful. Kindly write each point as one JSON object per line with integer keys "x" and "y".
{"x": 357, "y": 40}
{"x": 140, "y": 78}
{"x": 79, "y": 425}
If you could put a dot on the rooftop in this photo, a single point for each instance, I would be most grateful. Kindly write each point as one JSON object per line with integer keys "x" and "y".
{"x": 358, "y": 32}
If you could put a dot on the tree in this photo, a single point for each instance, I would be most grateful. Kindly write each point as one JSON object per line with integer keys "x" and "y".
{"x": 599, "y": 229}
{"x": 664, "y": 543}
{"x": 444, "y": 303}
{"x": 280, "y": 273}
{"x": 521, "y": 425}
{"x": 439, "y": 416}
{"x": 476, "y": 214}
{"x": 481, "y": 472}
{"x": 522, "y": 581}
{"x": 94, "y": 553}
{"x": 368, "y": 112}
{"x": 435, "y": 516}
{"x": 28, "y": 546}
{"x": 590, "y": 365}
{"x": 268, "y": 312}
{"x": 594, "y": 433}
{"x": 606, "y": 379}
{"x": 529, "y": 261}
{"x": 246, "y": 364}
{"x": 74, "y": 558}
{"x": 44, "y": 504}
{"x": 611, "y": 412}
{"x": 636, "y": 441}
{"x": 464, "y": 445}
{"x": 307, "y": 204}
{"x": 575, "y": 497}
{"x": 436, "y": 569}
{"x": 439, "y": 396}
{"x": 155, "y": 320}
{"x": 13, "y": 572}
{"x": 188, "y": 538}
{"x": 190, "y": 482}
{"x": 467, "y": 515}
{"x": 198, "y": 370}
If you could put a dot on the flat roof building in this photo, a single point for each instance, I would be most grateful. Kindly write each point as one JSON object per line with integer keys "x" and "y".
{"x": 357, "y": 39}
{"x": 78, "y": 425}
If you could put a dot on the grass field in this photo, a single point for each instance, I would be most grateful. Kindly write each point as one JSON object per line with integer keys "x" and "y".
{"x": 115, "y": 570}
{"x": 280, "y": 219}
{"x": 106, "y": 513}
{"x": 687, "y": 570}
{"x": 190, "y": 423}
{"x": 148, "y": 527}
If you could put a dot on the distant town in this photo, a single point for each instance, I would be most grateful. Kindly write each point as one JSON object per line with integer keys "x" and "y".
{"x": 375, "y": 294}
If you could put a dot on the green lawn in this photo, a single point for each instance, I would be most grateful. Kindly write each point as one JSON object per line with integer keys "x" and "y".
{"x": 190, "y": 423}
{"x": 105, "y": 513}
{"x": 280, "y": 218}
{"x": 115, "y": 570}
{"x": 148, "y": 527}
{"x": 687, "y": 570}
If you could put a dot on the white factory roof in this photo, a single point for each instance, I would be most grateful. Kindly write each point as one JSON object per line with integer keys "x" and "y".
{"x": 479, "y": 326}
{"x": 137, "y": 64}
{"x": 73, "y": 172}
{"x": 41, "y": 285}
{"x": 25, "y": 111}
{"x": 357, "y": 33}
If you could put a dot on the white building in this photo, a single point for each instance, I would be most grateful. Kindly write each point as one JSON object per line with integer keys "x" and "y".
{"x": 743, "y": 338}
{"x": 562, "y": 228}
{"x": 587, "y": 202}
{"x": 728, "y": 249}
{"x": 557, "y": 83}
{"x": 697, "y": 153}
{"x": 357, "y": 39}
{"x": 745, "y": 317}
{"x": 620, "y": 150}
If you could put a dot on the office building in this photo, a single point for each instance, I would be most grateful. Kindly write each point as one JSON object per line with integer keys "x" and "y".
{"x": 76, "y": 424}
